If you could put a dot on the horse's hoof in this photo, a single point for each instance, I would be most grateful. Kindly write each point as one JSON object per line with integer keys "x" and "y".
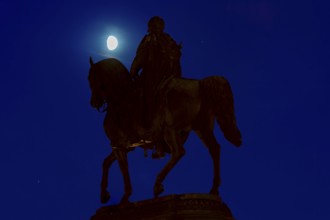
{"x": 214, "y": 192}
{"x": 158, "y": 189}
{"x": 105, "y": 196}
{"x": 124, "y": 201}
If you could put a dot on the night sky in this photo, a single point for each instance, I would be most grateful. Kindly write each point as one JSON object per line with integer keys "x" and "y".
{"x": 274, "y": 53}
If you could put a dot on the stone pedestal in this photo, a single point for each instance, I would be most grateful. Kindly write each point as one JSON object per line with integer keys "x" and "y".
{"x": 172, "y": 207}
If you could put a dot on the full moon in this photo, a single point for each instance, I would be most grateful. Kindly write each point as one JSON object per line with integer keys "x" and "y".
{"x": 112, "y": 42}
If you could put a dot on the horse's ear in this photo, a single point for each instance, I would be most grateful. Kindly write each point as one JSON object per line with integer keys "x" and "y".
{"x": 91, "y": 61}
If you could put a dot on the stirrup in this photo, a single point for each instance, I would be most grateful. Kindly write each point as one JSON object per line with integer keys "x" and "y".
{"x": 141, "y": 142}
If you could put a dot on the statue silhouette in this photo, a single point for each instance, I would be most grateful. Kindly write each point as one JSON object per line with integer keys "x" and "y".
{"x": 183, "y": 105}
{"x": 158, "y": 56}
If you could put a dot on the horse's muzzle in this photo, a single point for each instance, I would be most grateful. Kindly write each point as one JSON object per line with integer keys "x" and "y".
{"x": 96, "y": 102}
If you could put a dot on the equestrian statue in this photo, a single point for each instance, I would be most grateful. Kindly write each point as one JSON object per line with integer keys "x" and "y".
{"x": 153, "y": 107}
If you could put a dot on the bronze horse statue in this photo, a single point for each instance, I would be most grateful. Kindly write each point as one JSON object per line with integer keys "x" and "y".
{"x": 186, "y": 105}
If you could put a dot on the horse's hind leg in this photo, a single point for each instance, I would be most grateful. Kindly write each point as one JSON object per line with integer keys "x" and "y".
{"x": 175, "y": 142}
{"x": 105, "y": 196}
{"x": 214, "y": 148}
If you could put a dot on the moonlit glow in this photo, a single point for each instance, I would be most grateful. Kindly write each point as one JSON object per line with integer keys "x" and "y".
{"x": 112, "y": 42}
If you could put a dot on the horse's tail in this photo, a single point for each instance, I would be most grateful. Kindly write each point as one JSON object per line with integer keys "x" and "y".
{"x": 218, "y": 97}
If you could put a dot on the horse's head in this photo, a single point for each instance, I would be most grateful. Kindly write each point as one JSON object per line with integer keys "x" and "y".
{"x": 97, "y": 86}
{"x": 106, "y": 80}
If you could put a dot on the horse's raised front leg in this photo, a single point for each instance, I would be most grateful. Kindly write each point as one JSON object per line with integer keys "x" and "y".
{"x": 174, "y": 141}
{"x": 121, "y": 155}
{"x": 105, "y": 196}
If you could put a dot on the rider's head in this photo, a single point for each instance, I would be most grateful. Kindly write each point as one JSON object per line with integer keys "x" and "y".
{"x": 156, "y": 25}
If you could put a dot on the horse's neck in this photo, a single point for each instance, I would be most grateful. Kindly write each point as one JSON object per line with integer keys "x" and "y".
{"x": 125, "y": 110}
{"x": 121, "y": 99}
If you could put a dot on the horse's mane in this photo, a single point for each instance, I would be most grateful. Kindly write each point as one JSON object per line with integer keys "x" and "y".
{"x": 113, "y": 72}
{"x": 114, "y": 69}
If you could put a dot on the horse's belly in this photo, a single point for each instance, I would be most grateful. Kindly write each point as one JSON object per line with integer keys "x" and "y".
{"x": 183, "y": 105}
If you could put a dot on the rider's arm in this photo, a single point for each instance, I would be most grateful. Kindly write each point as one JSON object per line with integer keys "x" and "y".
{"x": 140, "y": 57}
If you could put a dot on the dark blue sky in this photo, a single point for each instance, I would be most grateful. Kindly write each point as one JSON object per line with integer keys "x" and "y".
{"x": 274, "y": 53}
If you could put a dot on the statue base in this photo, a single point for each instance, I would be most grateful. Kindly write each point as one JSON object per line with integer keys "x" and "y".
{"x": 172, "y": 207}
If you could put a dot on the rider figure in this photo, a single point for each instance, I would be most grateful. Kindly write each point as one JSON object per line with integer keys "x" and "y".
{"x": 158, "y": 58}
{"x": 165, "y": 46}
